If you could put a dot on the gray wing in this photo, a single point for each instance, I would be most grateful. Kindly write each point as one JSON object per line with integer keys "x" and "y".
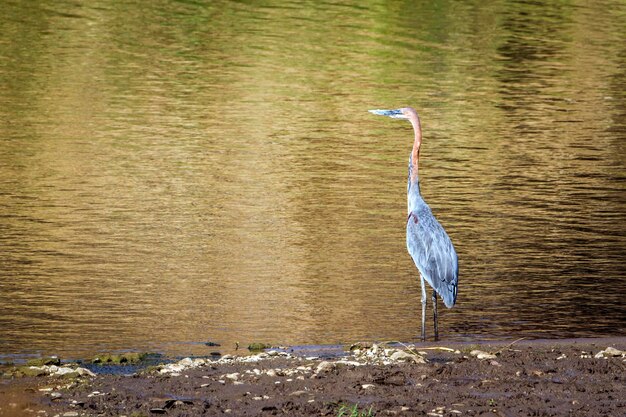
{"x": 433, "y": 254}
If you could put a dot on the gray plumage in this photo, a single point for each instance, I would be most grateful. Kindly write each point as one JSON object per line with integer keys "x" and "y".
{"x": 430, "y": 247}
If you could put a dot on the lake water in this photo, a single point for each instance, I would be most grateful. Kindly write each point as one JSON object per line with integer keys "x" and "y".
{"x": 176, "y": 172}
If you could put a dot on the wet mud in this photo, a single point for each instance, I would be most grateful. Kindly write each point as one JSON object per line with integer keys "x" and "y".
{"x": 529, "y": 378}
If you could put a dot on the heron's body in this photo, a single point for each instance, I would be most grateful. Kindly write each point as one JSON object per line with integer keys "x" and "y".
{"x": 426, "y": 240}
{"x": 430, "y": 246}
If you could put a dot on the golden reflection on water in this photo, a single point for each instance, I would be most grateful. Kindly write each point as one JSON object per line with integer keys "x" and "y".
{"x": 176, "y": 173}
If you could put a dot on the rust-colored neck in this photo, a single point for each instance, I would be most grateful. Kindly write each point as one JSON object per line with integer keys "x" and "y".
{"x": 415, "y": 153}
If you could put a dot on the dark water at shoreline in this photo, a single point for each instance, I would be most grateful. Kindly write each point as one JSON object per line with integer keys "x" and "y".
{"x": 175, "y": 173}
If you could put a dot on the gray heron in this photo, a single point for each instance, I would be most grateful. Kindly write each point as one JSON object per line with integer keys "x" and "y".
{"x": 427, "y": 242}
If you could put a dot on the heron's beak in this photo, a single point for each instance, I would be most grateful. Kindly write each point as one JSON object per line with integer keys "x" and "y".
{"x": 396, "y": 114}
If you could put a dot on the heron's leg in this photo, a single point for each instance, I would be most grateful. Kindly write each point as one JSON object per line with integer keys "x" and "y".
{"x": 435, "y": 314}
{"x": 424, "y": 296}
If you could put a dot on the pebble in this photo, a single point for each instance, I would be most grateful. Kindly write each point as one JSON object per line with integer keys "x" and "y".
{"x": 402, "y": 356}
{"x": 614, "y": 352}
{"x": 171, "y": 368}
{"x": 70, "y": 414}
{"x": 84, "y": 371}
{"x": 324, "y": 367}
{"x": 609, "y": 352}
{"x": 234, "y": 376}
{"x": 367, "y": 386}
{"x": 185, "y": 362}
{"x": 482, "y": 355}
{"x": 61, "y": 371}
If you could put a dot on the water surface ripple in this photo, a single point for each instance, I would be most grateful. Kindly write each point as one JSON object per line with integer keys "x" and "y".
{"x": 176, "y": 172}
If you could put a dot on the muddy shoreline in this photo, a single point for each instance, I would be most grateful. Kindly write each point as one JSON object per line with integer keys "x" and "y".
{"x": 576, "y": 377}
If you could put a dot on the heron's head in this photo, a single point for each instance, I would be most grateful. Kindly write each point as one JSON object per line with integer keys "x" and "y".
{"x": 407, "y": 113}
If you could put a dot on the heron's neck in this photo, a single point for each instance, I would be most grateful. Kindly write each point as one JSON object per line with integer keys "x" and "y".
{"x": 415, "y": 153}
